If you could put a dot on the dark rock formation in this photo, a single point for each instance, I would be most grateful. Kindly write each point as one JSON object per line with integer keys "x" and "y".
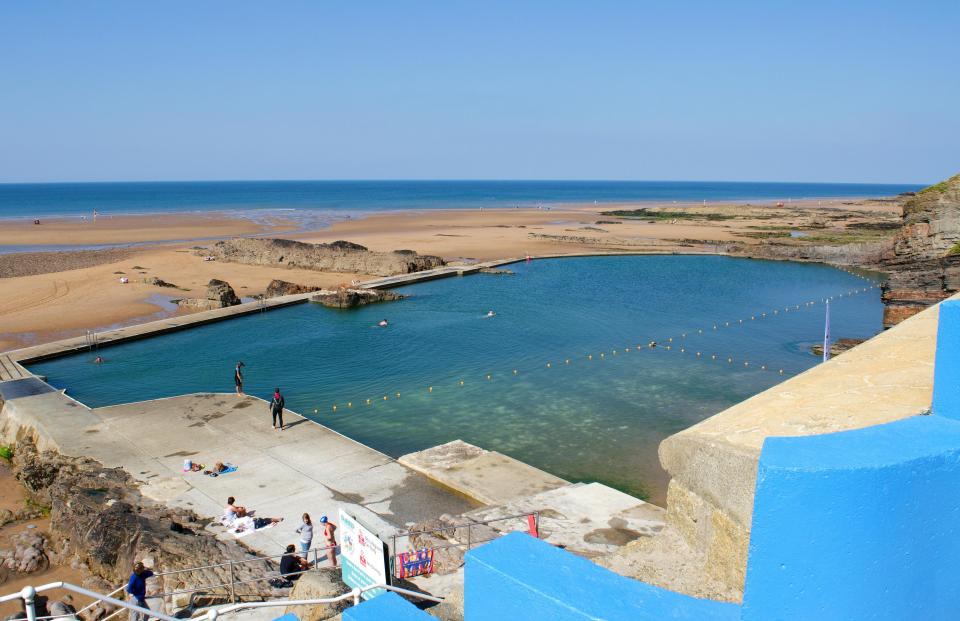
{"x": 276, "y": 288}
{"x": 837, "y": 347}
{"x": 350, "y": 298}
{"x": 219, "y": 295}
{"x": 924, "y": 259}
{"x": 99, "y": 518}
{"x": 338, "y": 256}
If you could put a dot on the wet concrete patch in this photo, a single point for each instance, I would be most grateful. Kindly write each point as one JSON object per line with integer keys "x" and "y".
{"x": 612, "y": 536}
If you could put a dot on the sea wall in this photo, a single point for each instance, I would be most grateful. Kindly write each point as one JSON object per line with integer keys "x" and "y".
{"x": 713, "y": 465}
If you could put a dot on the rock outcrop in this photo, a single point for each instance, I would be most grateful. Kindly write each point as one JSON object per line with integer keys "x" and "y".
{"x": 345, "y": 297}
{"x": 219, "y": 295}
{"x": 836, "y": 347}
{"x": 324, "y": 584}
{"x": 923, "y": 261}
{"x": 338, "y": 256}
{"x": 99, "y": 519}
{"x": 276, "y": 288}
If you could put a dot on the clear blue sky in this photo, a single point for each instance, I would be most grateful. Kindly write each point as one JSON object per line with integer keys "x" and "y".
{"x": 767, "y": 90}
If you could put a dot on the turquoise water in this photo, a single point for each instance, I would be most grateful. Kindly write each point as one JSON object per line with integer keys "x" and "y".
{"x": 315, "y": 200}
{"x": 598, "y": 419}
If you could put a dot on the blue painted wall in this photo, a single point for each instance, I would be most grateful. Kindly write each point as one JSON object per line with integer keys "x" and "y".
{"x": 518, "y": 577}
{"x": 862, "y": 524}
{"x": 386, "y": 607}
{"x": 946, "y": 372}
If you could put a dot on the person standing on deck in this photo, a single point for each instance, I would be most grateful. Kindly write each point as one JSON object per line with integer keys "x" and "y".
{"x": 330, "y": 537}
{"x": 137, "y": 590}
{"x": 276, "y": 409}
{"x": 238, "y": 378}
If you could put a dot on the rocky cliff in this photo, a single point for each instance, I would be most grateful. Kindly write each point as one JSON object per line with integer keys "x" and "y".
{"x": 101, "y": 521}
{"x": 338, "y": 256}
{"x": 923, "y": 262}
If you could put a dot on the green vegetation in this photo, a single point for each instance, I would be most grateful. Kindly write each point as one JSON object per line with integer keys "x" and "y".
{"x": 943, "y": 186}
{"x": 651, "y": 214}
{"x": 955, "y": 249}
{"x": 44, "y": 510}
{"x": 6, "y": 453}
{"x": 765, "y": 234}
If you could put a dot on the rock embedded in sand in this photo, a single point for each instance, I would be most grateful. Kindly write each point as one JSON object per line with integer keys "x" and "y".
{"x": 277, "y": 288}
{"x": 338, "y": 256}
{"x": 219, "y": 295}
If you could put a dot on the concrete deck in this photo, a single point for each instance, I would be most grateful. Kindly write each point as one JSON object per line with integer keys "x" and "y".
{"x": 306, "y": 468}
{"x": 488, "y": 477}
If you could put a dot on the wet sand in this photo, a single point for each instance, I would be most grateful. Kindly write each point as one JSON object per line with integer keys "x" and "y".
{"x": 130, "y": 229}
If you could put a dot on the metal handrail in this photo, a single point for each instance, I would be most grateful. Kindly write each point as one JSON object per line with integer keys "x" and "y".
{"x": 28, "y": 595}
{"x": 467, "y": 525}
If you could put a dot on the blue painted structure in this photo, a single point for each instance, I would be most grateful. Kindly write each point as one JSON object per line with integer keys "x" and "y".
{"x": 946, "y": 370}
{"x": 386, "y": 607}
{"x": 520, "y": 578}
{"x": 863, "y": 524}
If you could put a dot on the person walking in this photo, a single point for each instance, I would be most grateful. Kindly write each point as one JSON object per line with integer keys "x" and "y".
{"x": 238, "y": 378}
{"x": 137, "y": 590}
{"x": 306, "y": 534}
{"x": 330, "y": 537}
{"x": 276, "y": 409}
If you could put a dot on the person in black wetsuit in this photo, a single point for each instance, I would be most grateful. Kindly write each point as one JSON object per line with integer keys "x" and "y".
{"x": 276, "y": 409}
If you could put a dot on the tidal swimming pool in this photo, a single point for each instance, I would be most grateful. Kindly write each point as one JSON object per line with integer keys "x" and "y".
{"x": 598, "y": 417}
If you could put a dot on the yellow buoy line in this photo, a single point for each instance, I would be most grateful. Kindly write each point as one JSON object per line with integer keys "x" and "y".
{"x": 671, "y": 344}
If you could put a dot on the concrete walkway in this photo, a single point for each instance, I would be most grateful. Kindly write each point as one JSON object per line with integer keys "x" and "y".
{"x": 306, "y": 468}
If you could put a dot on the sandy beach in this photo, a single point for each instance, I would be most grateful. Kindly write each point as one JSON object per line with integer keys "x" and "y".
{"x": 47, "y": 296}
{"x": 130, "y": 229}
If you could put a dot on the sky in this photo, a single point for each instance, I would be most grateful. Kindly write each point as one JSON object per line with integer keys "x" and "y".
{"x": 758, "y": 91}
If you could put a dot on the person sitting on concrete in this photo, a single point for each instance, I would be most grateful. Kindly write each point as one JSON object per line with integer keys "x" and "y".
{"x": 233, "y": 510}
{"x": 291, "y": 564}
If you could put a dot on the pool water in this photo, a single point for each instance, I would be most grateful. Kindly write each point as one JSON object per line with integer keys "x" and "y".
{"x": 598, "y": 417}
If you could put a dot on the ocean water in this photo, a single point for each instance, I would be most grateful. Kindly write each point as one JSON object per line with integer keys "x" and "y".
{"x": 592, "y": 419}
{"x": 326, "y": 199}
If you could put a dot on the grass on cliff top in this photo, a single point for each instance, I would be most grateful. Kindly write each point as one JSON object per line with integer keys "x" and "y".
{"x": 943, "y": 186}
{"x": 6, "y": 453}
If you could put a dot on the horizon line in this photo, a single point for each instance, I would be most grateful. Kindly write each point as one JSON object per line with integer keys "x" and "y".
{"x": 455, "y": 180}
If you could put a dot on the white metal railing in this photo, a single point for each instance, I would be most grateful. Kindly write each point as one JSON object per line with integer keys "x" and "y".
{"x": 29, "y": 594}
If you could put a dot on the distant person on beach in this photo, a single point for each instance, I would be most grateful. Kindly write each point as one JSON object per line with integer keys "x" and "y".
{"x": 306, "y": 533}
{"x": 276, "y": 409}
{"x": 291, "y": 565}
{"x": 330, "y": 537}
{"x": 383, "y": 323}
{"x": 238, "y": 378}
{"x": 137, "y": 590}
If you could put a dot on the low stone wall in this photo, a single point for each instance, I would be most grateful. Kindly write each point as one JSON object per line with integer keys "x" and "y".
{"x": 713, "y": 465}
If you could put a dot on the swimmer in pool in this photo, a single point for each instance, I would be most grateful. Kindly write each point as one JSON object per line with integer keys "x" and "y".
{"x": 99, "y": 360}
{"x": 491, "y": 314}
{"x": 383, "y": 323}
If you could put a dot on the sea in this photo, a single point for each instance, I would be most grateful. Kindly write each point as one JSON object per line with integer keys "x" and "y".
{"x": 320, "y": 201}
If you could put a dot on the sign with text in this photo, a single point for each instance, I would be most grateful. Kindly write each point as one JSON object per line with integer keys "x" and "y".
{"x": 363, "y": 556}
